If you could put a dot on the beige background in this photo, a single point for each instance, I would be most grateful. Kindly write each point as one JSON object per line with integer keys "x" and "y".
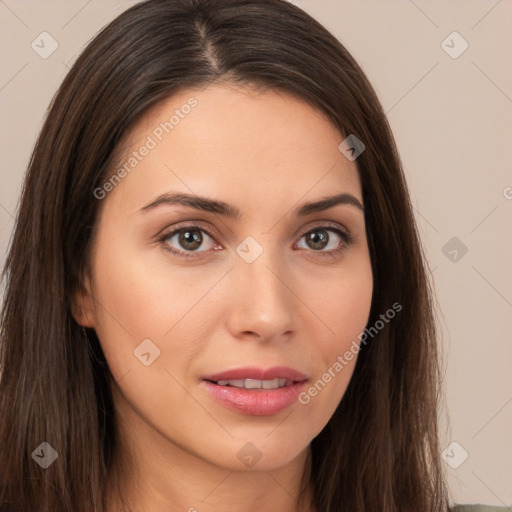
{"x": 452, "y": 119}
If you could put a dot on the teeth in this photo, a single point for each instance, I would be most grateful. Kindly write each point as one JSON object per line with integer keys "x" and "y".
{"x": 256, "y": 384}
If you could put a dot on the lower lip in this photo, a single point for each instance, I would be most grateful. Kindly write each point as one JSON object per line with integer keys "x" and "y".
{"x": 257, "y": 402}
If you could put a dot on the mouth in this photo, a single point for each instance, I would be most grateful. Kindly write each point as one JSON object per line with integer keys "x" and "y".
{"x": 255, "y": 383}
{"x": 255, "y": 391}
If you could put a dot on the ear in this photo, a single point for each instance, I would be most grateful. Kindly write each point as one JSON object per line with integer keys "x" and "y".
{"x": 82, "y": 304}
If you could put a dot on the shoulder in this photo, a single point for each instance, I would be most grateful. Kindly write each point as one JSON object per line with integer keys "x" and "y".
{"x": 480, "y": 508}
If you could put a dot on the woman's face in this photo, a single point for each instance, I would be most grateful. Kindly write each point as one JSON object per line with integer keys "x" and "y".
{"x": 257, "y": 289}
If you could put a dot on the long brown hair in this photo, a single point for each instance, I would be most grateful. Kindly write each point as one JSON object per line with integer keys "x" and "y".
{"x": 380, "y": 450}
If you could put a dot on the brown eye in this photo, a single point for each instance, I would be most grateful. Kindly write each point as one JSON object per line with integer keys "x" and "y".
{"x": 317, "y": 239}
{"x": 190, "y": 239}
{"x": 186, "y": 240}
{"x": 320, "y": 238}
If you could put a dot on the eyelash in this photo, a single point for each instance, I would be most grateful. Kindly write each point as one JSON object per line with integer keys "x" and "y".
{"x": 348, "y": 239}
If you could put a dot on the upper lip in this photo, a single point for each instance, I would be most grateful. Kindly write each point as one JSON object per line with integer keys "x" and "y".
{"x": 253, "y": 372}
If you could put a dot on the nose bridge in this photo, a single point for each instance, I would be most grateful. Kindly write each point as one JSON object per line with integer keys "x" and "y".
{"x": 263, "y": 302}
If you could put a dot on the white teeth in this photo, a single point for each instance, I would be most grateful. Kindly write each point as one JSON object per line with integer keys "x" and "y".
{"x": 271, "y": 384}
{"x": 256, "y": 384}
{"x": 284, "y": 382}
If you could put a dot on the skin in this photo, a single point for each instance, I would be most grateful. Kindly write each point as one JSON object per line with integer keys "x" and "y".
{"x": 265, "y": 153}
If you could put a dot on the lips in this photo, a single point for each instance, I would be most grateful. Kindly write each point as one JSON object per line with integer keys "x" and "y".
{"x": 256, "y": 383}
{"x": 254, "y": 373}
{"x": 256, "y": 391}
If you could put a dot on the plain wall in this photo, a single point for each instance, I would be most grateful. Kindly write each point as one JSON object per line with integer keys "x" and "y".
{"x": 452, "y": 120}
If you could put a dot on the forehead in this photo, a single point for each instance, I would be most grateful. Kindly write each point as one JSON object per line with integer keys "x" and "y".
{"x": 233, "y": 142}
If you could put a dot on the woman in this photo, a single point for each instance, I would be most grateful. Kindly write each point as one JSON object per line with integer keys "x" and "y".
{"x": 216, "y": 297}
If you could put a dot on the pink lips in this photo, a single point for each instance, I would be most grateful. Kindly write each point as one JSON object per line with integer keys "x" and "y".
{"x": 256, "y": 402}
{"x": 252, "y": 372}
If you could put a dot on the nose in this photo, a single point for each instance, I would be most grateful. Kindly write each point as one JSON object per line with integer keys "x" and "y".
{"x": 262, "y": 301}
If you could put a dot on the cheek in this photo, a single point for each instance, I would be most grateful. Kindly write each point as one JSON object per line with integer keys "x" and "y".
{"x": 143, "y": 322}
{"x": 343, "y": 303}
{"x": 134, "y": 303}
{"x": 343, "y": 306}
{"x": 342, "y": 299}
{"x": 141, "y": 296}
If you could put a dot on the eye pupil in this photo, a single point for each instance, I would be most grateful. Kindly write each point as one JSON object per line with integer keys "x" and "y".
{"x": 321, "y": 239}
{"x": 193, "y": 237}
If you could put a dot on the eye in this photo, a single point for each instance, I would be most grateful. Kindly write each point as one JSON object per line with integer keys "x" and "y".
{"x": 188, "y": 238}
{"x": 318, "y": 239}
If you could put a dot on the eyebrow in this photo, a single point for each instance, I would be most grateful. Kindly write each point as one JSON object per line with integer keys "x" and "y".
{"x": 222, "y": 208}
